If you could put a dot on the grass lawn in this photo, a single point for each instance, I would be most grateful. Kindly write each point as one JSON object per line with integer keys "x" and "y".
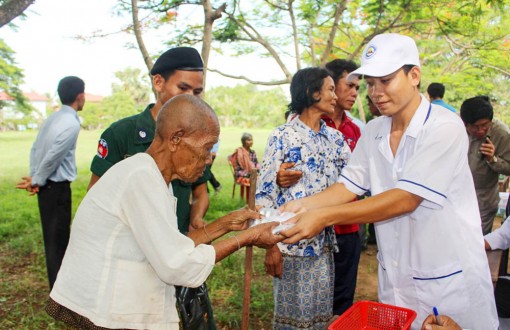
{"x": 23, "y": 283}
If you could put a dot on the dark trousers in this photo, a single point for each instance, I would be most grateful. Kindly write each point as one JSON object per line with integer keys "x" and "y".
{"x": 346, "y": 271}
{"x": 215, "y": 183}
{"x": 54, "y": 200}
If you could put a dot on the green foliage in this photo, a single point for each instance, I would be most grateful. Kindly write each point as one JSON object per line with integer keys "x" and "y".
{"x": 129, "y": 96}
{"x": 246, "y": 106}
{"x": 100, "y": 115}
{"x": 11, "y": 78}
{"x": 134, "y": 82}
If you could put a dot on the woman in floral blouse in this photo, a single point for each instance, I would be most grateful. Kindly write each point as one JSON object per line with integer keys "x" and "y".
{"x": 303, "y": 286}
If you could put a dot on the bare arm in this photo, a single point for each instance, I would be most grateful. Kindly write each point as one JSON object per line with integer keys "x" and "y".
{"x": 334, "y": 195}
{"x": 259, "y": 235}
{"x": 93, "y": 179}
{"x": 386, "y": 205}
{"x": 199, "y": 206}
{"x": 236, "y": 220}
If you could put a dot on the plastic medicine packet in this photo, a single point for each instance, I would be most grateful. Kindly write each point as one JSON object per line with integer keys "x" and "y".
{"x": 270, "y": 215}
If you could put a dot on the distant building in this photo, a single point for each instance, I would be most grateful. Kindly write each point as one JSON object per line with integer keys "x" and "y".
{"x": 39, "y": 102}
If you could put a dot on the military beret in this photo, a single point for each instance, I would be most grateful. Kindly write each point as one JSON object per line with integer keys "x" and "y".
{"x": 179, "y": 58}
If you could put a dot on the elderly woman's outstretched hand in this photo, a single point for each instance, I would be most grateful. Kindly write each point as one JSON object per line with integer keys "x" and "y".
{"x": 262, "y": 236}
{"x": 238, "y": 219}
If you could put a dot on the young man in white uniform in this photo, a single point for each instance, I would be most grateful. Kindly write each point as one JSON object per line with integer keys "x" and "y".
{"x": 413, "y": 161}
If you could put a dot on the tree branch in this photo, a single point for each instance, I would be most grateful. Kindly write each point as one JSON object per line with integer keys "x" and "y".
{"x": 210, "y": 16}
{"x": 256, "y": 36}
{"x": 339, "y": 9}
{"x": 138, "y": 34}
{"x": 255, "y": 82}
{"x": 500, "y": 70}
{"x": 12, "y": 9}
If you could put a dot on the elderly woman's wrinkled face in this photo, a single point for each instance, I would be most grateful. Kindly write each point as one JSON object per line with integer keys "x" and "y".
{"x": 248, "y": 143}
{"x": 193, "y": 155}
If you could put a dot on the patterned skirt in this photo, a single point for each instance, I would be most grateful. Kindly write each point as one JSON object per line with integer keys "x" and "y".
{"x": 304, "y": 294}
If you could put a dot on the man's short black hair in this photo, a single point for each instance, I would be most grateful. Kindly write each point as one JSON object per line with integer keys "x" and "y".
{"x": 304, "y": 84}
{"x": 476, "y": 108}
{"x": 337, "y": 68}
{"x": 69, "y": 88}
{"x": 436, "y": 90}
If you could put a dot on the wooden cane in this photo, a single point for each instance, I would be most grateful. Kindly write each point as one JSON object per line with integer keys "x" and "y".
{"x": 245, "y": 322}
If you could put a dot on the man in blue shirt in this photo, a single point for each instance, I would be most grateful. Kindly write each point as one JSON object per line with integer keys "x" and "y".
{"x": 436, "y": 94}
{"x": 52, "y": 168}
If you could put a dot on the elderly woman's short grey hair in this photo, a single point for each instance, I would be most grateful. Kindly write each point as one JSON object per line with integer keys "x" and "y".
{"x": 246, "y": 136}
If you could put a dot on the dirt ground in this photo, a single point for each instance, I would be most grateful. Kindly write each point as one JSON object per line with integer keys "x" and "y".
{"x": 366, "y": 287}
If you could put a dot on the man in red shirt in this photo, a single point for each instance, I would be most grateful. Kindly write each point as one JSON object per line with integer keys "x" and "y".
{"x": 349, "y": 244}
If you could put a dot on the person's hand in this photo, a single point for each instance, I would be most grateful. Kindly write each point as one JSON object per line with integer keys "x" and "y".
{"x": 430, "y": 323}
{"x": 307, "y": 225}
{"x": 295, "y": 206}
{"x": 196, "y": 223}
{"x": 262, "y": 236}
{"x": 285, "y": 177}
{"x": 273, "y": 262}
{"x": 238, "y": 219}
{"x": 26, "y": 184}
{"x": 488, "y": 149}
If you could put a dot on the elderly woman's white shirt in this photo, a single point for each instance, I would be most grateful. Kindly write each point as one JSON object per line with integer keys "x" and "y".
{"x": 126, "y": 254}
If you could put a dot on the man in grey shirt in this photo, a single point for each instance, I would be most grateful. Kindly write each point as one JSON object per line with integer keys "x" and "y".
{"x": 52, "y": 168}
{"x": 488, "y": 155}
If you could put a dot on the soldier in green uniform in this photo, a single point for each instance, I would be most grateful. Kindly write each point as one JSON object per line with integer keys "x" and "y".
{"x": 177, "y": 71}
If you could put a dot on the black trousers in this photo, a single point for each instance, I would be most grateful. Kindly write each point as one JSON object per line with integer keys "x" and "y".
{"x": 215, "y": 183}
{"x": 54, "y": 200}
{"x": 346, "y": 271}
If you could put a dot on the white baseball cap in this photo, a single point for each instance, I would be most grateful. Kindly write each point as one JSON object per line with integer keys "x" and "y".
{"x": 385, "y": 54}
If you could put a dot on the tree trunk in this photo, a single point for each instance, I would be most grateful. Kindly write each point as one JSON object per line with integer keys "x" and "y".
{"x": 210, "y": 15}
{"x": 12, "y": 9}
{"x": 139, "y": 40}
{"x": 138, "y": 34}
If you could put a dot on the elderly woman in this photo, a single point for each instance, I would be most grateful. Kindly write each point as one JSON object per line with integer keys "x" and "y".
{"x": 303, "y": 284}
{"x": 125, "y": 252}
{"x": 245, "y": 160}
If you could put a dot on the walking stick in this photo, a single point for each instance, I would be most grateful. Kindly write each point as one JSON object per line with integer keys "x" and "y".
{"x": 248, "y": 258}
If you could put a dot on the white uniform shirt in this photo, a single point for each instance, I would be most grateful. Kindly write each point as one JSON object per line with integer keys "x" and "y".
{"x": 126, "y": 252}
{"x": 435, "y": 255}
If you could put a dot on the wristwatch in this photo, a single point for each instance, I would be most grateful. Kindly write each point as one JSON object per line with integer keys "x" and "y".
{"x": 494, "y": 160}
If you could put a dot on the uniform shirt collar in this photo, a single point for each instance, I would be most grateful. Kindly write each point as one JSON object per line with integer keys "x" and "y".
{"x": 420, "y": 117}
{"x": 145, "y": 126}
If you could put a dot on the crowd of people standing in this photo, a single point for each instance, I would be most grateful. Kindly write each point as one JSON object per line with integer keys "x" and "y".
{"x": 425, "y": 177}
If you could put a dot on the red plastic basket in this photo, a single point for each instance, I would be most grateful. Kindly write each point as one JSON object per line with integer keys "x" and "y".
{"x": 369, "y": 315}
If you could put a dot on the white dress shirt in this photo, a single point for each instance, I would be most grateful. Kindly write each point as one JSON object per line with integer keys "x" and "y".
{"x": 52, "y": 156}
